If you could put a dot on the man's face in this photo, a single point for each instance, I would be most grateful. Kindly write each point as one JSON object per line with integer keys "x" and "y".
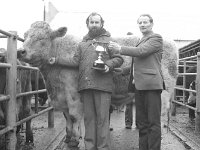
{"x": 94, "y": 23}
{"x": 144, "y": 24}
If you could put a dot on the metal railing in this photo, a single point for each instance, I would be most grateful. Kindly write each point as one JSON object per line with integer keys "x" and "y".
{"x": 192, "y": 60}
{"x": 11, "y": 94}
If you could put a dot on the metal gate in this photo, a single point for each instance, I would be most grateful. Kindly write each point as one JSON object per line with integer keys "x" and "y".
{"x": 11, "y": 96}
{"x": 189, "y": 56}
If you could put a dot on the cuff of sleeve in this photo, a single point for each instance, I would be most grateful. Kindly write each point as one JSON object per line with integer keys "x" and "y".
{"x": 120, "y": 50}
{"x": 109, "y": 64}
{"x": 56, "y": 60}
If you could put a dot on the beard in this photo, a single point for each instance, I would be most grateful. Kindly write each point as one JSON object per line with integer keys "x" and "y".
{"x": 94, "y": 32}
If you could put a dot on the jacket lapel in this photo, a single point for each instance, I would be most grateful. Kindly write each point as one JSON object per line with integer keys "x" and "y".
{"x": 144, "y": 39}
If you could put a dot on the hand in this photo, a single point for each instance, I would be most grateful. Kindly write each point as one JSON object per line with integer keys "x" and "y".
{"x": 107, "y": 69}
{"x": 113, "y": 46}
{"x": 52, "y": 60}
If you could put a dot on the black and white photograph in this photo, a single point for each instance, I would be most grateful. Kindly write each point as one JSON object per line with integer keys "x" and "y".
{"x": 99, "y": 75}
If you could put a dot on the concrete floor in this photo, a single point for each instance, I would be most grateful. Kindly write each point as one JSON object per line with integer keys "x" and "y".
{"x": 127, "y": 139}
{"x": 121, "y": 138}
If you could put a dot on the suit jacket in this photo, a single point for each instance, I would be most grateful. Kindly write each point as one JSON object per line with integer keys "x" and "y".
{"x": 147, "y": 62}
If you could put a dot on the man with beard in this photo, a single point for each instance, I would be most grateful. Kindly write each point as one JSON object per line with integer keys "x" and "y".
{"x": 95, "y": 86}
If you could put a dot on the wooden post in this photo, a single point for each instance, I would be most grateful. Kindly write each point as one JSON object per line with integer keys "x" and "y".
{"x": 197, "y": 121}
{"x": 11, "y": 90}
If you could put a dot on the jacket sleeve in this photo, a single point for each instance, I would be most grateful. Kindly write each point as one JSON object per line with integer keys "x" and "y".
{"x": 70, "y": 61}
{"x": 152, "y": 45}
{"x": 115, "y": 61}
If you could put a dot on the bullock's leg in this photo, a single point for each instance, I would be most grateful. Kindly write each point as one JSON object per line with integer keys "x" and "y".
{"x": 82, "y": 133}
{"x": 27, "y": 113}
{"x": 71, "y": 136}
{"x": 29, "y": 133}
{"x": 69, "y": 130}
{"x": 79, "y": 132}
{"x": 68, "y": 127}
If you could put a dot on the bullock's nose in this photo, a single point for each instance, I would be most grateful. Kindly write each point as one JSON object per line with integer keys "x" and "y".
{"x": 21, "y": 53}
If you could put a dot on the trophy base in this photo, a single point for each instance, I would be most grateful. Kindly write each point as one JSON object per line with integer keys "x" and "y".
{"x": 99, "y": 69}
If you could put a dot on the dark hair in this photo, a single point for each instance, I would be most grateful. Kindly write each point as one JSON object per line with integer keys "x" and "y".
{"x": 147, "y": 15}
{"x": 94, "y": 14}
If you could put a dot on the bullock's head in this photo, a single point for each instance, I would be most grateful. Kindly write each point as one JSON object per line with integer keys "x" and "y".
{"x": 39, "y": 43}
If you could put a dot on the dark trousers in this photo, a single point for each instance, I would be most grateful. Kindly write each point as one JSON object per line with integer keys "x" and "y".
{"x": 129, "y": 114}
{"x": 96, "y": 106}
{"x": 148, "y": 111}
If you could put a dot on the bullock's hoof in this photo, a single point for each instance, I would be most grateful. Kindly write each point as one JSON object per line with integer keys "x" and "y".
{"x": 73, "y": 143}
{"x": 67, "y": 138}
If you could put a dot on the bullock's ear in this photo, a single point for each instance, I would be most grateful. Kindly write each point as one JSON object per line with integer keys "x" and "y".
{"x": 60, "y": 32}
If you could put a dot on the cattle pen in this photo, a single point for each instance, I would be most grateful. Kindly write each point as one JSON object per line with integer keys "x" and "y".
{"x": 189, "y": 56}
{"x": 10, "y": 96}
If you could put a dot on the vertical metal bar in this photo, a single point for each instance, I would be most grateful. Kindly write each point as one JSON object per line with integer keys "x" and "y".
{"x": 50, "y": 118}
{"x": 184, "y": 80}
{"x": 36, "y": 88}
{"x": 197, "y": 121}
{"x": 11, "y": 90}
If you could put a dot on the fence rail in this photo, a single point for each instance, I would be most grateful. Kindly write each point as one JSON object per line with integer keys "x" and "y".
{"x": 11, "y": 94}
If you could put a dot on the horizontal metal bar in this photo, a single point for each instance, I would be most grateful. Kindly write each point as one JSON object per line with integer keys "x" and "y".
{"x": 189, "y": 49}
{"x": 181, "y": 74}
{"x": 27, "y": 67}
{"x": 3, "y": 36}
{"x": 33, "y": 116}
{"x": 186, "y": 58}
{"x": 10, "y": 34}
{"x": 4, "y": 97}
{"x": 190, "y": 107}
{"x": 43, "y": 107}
{"x": 5, "y": 130}
{"x": 31, "y": 92}
{"x": 186, "y": 65}
{"x": 191, "y": 62}
{"x": 5, "y": 65}
{"x": 184, "y": 89}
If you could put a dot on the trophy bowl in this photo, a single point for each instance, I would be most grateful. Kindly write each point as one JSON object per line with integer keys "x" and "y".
{"x": 99, "y": 63}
